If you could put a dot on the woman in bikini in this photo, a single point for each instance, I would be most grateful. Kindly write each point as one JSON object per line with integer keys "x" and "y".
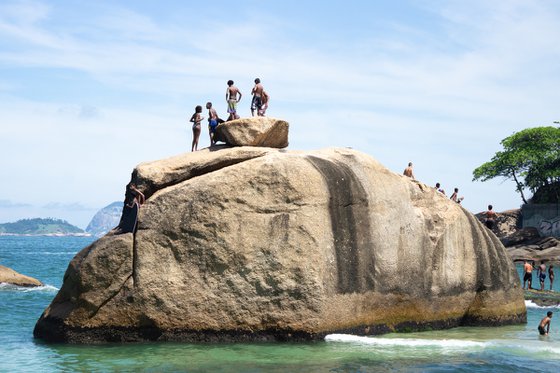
{"x": 195, "y": 120}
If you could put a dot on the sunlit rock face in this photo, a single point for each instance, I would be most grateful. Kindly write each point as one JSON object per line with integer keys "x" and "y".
{"x": 250, "y": 243}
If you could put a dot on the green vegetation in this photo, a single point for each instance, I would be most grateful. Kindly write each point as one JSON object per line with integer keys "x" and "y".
{"x": 531, "y": 158}
{"x": 39, "y": 227}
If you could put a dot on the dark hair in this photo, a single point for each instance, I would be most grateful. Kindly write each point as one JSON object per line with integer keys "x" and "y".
{"x": 456, "y": 189}
{"x": 437, "y": 185}
{"x": 257, "y": 80}
{"x": 230, "y": 82}
{"x": 549, "y": 313}
{"x": 490, "y": 207}
{"x": 409, "y": 164}
{"x": 208, "y": 104}
{"x": 198, "y": 109}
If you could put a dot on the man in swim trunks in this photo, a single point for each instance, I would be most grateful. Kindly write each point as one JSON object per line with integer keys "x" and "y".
{"x": 527, "y": 274}
{"x": 545, "y": 322}
{"x": 257, "y": 92}
{"x": 490, "y": 217}
{"x": 232, "y": 100}
{"x": 212, "y": 122}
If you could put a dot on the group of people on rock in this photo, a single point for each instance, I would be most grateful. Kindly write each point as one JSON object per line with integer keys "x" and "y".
{"x": 528, "y": 268}
{"x": 454, "y": 197}
{"x": 259, "y": 105}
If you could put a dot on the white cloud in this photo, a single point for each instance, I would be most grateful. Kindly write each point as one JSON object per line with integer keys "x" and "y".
{"x": 442, "y": 97}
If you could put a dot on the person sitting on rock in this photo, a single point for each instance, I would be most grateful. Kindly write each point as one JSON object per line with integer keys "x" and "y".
{"x": 408, "y": 171}
{"x": 490, "y": 217}
{"x": 455, "y": 196}
{"x": 439, "y": 189}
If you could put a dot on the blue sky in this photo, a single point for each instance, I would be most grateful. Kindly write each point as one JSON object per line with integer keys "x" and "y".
{"x": 90, "y": 89}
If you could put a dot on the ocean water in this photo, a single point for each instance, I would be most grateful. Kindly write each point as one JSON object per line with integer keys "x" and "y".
{"x": 505, "y": 349}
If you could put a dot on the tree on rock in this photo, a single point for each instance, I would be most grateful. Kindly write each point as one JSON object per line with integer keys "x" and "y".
{"x": 531, "y": 158}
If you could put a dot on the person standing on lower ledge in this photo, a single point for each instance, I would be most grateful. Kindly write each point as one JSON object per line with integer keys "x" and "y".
{"x": 545, "y": 322}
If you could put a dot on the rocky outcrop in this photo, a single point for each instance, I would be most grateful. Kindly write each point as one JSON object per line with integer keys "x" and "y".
{"x": 265, "y": 244}
{"x": 256, "y": 131}
{"x": 9, "y": 276}
{"x": 105, "y": 219}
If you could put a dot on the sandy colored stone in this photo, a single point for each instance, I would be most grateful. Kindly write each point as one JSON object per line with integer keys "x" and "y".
{"x": 284, "y": 245}
{"x": 9, "y": 276}
{"x": 255, "y": 131}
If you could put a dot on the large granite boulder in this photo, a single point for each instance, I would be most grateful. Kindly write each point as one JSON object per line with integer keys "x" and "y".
{"x": 9, "y": 276}
{"x": 265, "y": 244}
{"x": 256, "y": 131}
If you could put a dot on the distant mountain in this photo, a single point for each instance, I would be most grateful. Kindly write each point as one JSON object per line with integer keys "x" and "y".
{"x": 105, "y": 219}
{"x": 40, "y": 227}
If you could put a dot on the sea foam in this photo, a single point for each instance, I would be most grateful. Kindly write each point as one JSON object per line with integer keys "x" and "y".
{"x": 531, "y": 304}
{"x": 406, "y": 342}
{"x": 10, "y": 287}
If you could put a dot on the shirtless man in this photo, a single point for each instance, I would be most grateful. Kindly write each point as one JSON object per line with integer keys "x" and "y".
{"x": 212, "y": 122}
{"x": 490, "y": 217}
{"x": 545, "y": 322}
{"x": 408, "y": 171}
{"x": 232, "y": 100}
{"x": 527, "y": 275}
{"x": 257, "y": 92}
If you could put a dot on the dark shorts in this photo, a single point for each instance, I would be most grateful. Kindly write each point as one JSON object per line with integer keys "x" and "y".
{"x": 212, "y": 125}
{"x": 489, "y": 223}
{"x": 542, "y": 276}
{"x": 256, "y": 103}
{"x": 541, "y": 330}
{"x": 528, "y": 277}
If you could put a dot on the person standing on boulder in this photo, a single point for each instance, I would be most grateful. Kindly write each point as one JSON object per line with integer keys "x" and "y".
{"x": 408, "y": 171}
{"x": 541, "y": 274}
{"x": 257, "y": 92}
{"x": 232, "y": 100}
{"x": 212, "y": 122}
{"x": 527, "y": 275}
{"x": 195, "y": 120}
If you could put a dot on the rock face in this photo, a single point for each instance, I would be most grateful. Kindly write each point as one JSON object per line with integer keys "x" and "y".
{"x": 256, "y": 131}
{"x": 265, "y": 244}
{"x": 523, "y": 243}
{"x": 105, "y": 219}
{"x": 9, "y": 276}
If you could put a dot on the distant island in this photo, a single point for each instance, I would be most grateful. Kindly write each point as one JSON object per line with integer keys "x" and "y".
{"x": 105, "y": 219}
{"x": 41, "y": 227}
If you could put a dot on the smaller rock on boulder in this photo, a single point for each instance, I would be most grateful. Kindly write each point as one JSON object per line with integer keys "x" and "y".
{"x": 256, "y": 131}
{"x": 9, "y": 276}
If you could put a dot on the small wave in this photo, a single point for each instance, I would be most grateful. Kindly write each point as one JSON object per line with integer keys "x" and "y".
{"x": 405, "y": 342}
{"x": 51, "y": 253}
{"x": 23, "y": 289}
{"x": 531, "y": 304}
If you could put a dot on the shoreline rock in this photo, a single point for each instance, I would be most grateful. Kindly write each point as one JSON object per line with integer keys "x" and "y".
{"x": 265, "y": 244}
{"x": 9, "y": 276}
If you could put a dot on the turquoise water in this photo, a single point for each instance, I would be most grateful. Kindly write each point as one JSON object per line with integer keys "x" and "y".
{"x": 504, "y": 349}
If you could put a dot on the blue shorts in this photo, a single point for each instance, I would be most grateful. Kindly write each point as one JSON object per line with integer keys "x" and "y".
{"x": 212, "y": 125}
